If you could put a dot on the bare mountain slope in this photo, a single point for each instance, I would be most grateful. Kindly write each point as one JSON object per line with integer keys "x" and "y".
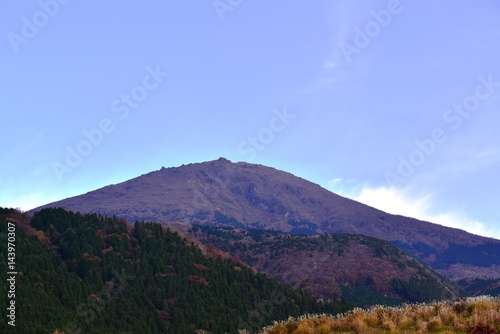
{"x": 243, "y": 194}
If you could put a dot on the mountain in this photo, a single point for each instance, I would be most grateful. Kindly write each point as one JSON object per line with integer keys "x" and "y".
{"x": 244, "y": 195}
{"x": 95, "y": 274}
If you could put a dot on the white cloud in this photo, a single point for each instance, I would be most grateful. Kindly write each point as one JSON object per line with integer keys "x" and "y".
{"x": 394, "y": 201}
{"x": 339, "y": 185}
{"x": 399, "y": 201}
{"x": 488, "y": 156}
{"x": 335, "y": 181}
{"x": 340, "y": 19}
{"x": 330, "y": 64}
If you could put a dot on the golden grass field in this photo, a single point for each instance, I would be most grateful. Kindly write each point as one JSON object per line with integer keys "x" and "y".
{"x": 472, "y": 315}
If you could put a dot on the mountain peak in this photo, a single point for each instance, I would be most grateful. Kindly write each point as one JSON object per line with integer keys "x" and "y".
{"x": 224, "y": 160}
{"x": 245, "y": 195}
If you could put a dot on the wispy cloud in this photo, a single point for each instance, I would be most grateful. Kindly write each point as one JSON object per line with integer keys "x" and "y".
{"x": 335, "y": 181}
{"x": 344, "y": 187}
{"x": 340, "y": 23}
{"x": 343, "y": 19}
{"x": 469, "y": 161}
{"x": 488, "y": 156}
{"x": 400, "y": 201}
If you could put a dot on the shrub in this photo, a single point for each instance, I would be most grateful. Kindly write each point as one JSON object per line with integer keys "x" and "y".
{"x": 371, "y": 320}
{"x": 304, "y": 329}
{"x": 481, "y": 328}
{"x": 323, "y": 329}
{"x": 474, "y": 315}
{"x": 435, "y": 324}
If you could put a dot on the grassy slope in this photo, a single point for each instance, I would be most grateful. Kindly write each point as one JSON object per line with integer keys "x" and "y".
{"x": 481, "y": 314}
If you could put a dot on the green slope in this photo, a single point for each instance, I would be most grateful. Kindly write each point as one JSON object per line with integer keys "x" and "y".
{"x": 94, "y": 274}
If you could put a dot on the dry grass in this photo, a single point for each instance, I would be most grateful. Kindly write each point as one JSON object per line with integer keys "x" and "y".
{"x": 481, "y": 313}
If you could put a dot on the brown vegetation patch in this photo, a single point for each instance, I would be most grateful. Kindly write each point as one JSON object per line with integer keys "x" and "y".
{"x": 94, "y": 297}
{"x": 198, "y": 279}
{"x": 200, "y": 267}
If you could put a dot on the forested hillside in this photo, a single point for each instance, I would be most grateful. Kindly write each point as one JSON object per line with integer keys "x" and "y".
{"x": 363, "y": 270}
{"x": 94, "y": 274}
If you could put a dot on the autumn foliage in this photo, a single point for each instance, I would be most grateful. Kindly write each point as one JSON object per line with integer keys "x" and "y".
{"x": 476, "y": 315}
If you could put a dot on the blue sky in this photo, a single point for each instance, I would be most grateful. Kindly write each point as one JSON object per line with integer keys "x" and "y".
{"x": 392, "y": 103}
